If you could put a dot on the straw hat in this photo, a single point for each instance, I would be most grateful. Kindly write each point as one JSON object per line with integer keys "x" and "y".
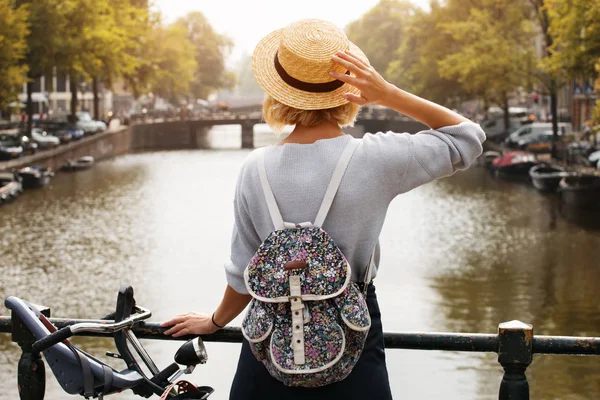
{"x": 292, "y": 65}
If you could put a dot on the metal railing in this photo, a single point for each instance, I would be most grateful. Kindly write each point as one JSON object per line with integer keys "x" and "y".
{"x": 514, "y": 343}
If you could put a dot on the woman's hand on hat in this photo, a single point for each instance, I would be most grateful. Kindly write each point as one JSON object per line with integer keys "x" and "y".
{"x": 373, "y": 88}
{"x": 190, "y": 324}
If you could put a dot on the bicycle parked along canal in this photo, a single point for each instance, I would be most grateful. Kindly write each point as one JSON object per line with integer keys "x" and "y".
{"x": 79, "y": 373}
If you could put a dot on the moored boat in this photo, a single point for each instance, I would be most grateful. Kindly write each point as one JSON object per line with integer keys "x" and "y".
{"x": 546, "y": 177}
{"x": 487, "y": 157}
{"x": 514, "y": 165}
{"x": 10, "y": 187}
{"x": 35, "y": 177}
{"x": 582, "y": 191}
{"x": 79, "y": 164}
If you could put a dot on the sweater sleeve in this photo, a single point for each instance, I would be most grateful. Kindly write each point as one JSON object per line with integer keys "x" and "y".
{"x": 405, "y": 161}
{"x": 244, "y": 241}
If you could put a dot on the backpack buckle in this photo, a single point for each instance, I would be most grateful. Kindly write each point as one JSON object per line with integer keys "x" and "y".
{"x": 296, "y": 303}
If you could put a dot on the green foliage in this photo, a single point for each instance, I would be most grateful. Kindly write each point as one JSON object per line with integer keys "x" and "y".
{"x": 110, "y": 40}
{"x": 381, "y": 31}
{"x": 210, "y": 49}
{"x": 13, "y": 47}
{"x": 171, "y": 67}
{"x": 47, "y": 21}
{"x": 494, "y": 51}
{"x": 455, "y": 50}
{"x": 164, "y": 66}
{"x": 415, "y": 63}
{"x": 184, "y": 59}
{"x": 575, "y": 27}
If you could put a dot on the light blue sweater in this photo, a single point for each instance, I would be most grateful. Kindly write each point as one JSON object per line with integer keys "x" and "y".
{"x": 384, "y": 166}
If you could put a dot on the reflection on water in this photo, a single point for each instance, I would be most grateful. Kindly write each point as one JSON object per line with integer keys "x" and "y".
{"x": 461, "y": 254}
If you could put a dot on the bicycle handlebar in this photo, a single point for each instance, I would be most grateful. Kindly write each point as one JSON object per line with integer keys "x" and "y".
{"x": 52, "y": 339}
{"x": 68, "y": 331}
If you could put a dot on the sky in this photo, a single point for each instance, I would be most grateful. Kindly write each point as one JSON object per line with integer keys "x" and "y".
{"x": 247, "y": 21}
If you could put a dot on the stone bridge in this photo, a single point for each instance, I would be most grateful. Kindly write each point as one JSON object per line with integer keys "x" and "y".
{"x": 152, "y": 132}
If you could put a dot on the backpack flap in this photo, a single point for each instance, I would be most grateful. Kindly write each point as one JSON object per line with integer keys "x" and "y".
{"x": 324, "y": 271}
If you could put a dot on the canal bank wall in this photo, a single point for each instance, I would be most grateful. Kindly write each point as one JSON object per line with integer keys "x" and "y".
{"x": 159, "y": 136}
{"x": 100, "y": 146}
{"x": 169, "y": 135}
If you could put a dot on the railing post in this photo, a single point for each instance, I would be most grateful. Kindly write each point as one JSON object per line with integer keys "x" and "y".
{"x": 31, "y": 374}
{"x": 515, "y": 352}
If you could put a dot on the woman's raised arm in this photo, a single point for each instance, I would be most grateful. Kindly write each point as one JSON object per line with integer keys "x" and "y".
{"x": 376, "y": 90}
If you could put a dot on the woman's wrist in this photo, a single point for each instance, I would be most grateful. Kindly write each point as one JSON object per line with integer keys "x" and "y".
{"x": 391, "y": 96}
{"x": 215, "y": 323}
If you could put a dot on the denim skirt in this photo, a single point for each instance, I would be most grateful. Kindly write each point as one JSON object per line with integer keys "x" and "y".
{"x": 368, "y": 379}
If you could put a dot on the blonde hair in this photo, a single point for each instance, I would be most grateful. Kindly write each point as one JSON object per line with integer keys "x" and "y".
{"x": 277, "y": 115}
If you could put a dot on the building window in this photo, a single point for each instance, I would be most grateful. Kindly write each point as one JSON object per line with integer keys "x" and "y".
{"x": 61, "y": 106}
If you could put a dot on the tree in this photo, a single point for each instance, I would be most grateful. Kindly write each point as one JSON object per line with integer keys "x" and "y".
{"x": 414, "y": 66}
{"x": 382, "y": 31}
{"x": 85, "y": 39}
{"x": 495, "y": 50}
{"x": 597, "y": 87}
{"x": 210, "y": 50}
{"x": 547, "y": 77}
{"x": 575, "y": 28}
{"x": 47, "y": 22}
{"x": 139, "y": 79}
{"x": 169, "y": 69}
{"x": 111, "y": 47}
{"x": 13, "y": 50}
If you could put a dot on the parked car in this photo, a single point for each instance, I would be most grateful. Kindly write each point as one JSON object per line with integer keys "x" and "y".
{"x": 537, "y": 144}
{"x": 88, "y": 124}
{"x": 82, "y": 120}
{"x": 535, "y": 130}
{"x": 44, "y": 139}
{"x": 10, "y": 146}
{"x": 29, "y": 146}
{"x": 493, "y": 123}
{"x": 62, "y": 129}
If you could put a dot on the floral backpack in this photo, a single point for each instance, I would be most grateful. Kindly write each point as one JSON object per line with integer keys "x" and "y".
{"x": 307, "y": 321}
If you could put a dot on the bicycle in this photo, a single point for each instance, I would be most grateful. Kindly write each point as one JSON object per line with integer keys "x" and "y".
{"x": 79, "y": 373}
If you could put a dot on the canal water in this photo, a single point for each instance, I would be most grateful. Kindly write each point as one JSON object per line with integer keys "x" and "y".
{"x": 461, "y": 254}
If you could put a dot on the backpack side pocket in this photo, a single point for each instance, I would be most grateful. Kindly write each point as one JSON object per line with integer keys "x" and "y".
{"x": 257, "y": 326}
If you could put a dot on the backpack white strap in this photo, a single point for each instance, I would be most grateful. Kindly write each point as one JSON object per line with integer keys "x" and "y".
{"x": 336, "y": 179}
{"x": 297, "y": 307}
{"x": 271, "y": 202}
{"x": 369, "y": 271}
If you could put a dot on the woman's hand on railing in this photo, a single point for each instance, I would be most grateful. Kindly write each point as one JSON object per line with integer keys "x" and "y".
{"x": 190, "y": 324}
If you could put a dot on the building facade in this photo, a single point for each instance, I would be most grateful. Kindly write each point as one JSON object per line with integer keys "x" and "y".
{"x": 52, "y": 95}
